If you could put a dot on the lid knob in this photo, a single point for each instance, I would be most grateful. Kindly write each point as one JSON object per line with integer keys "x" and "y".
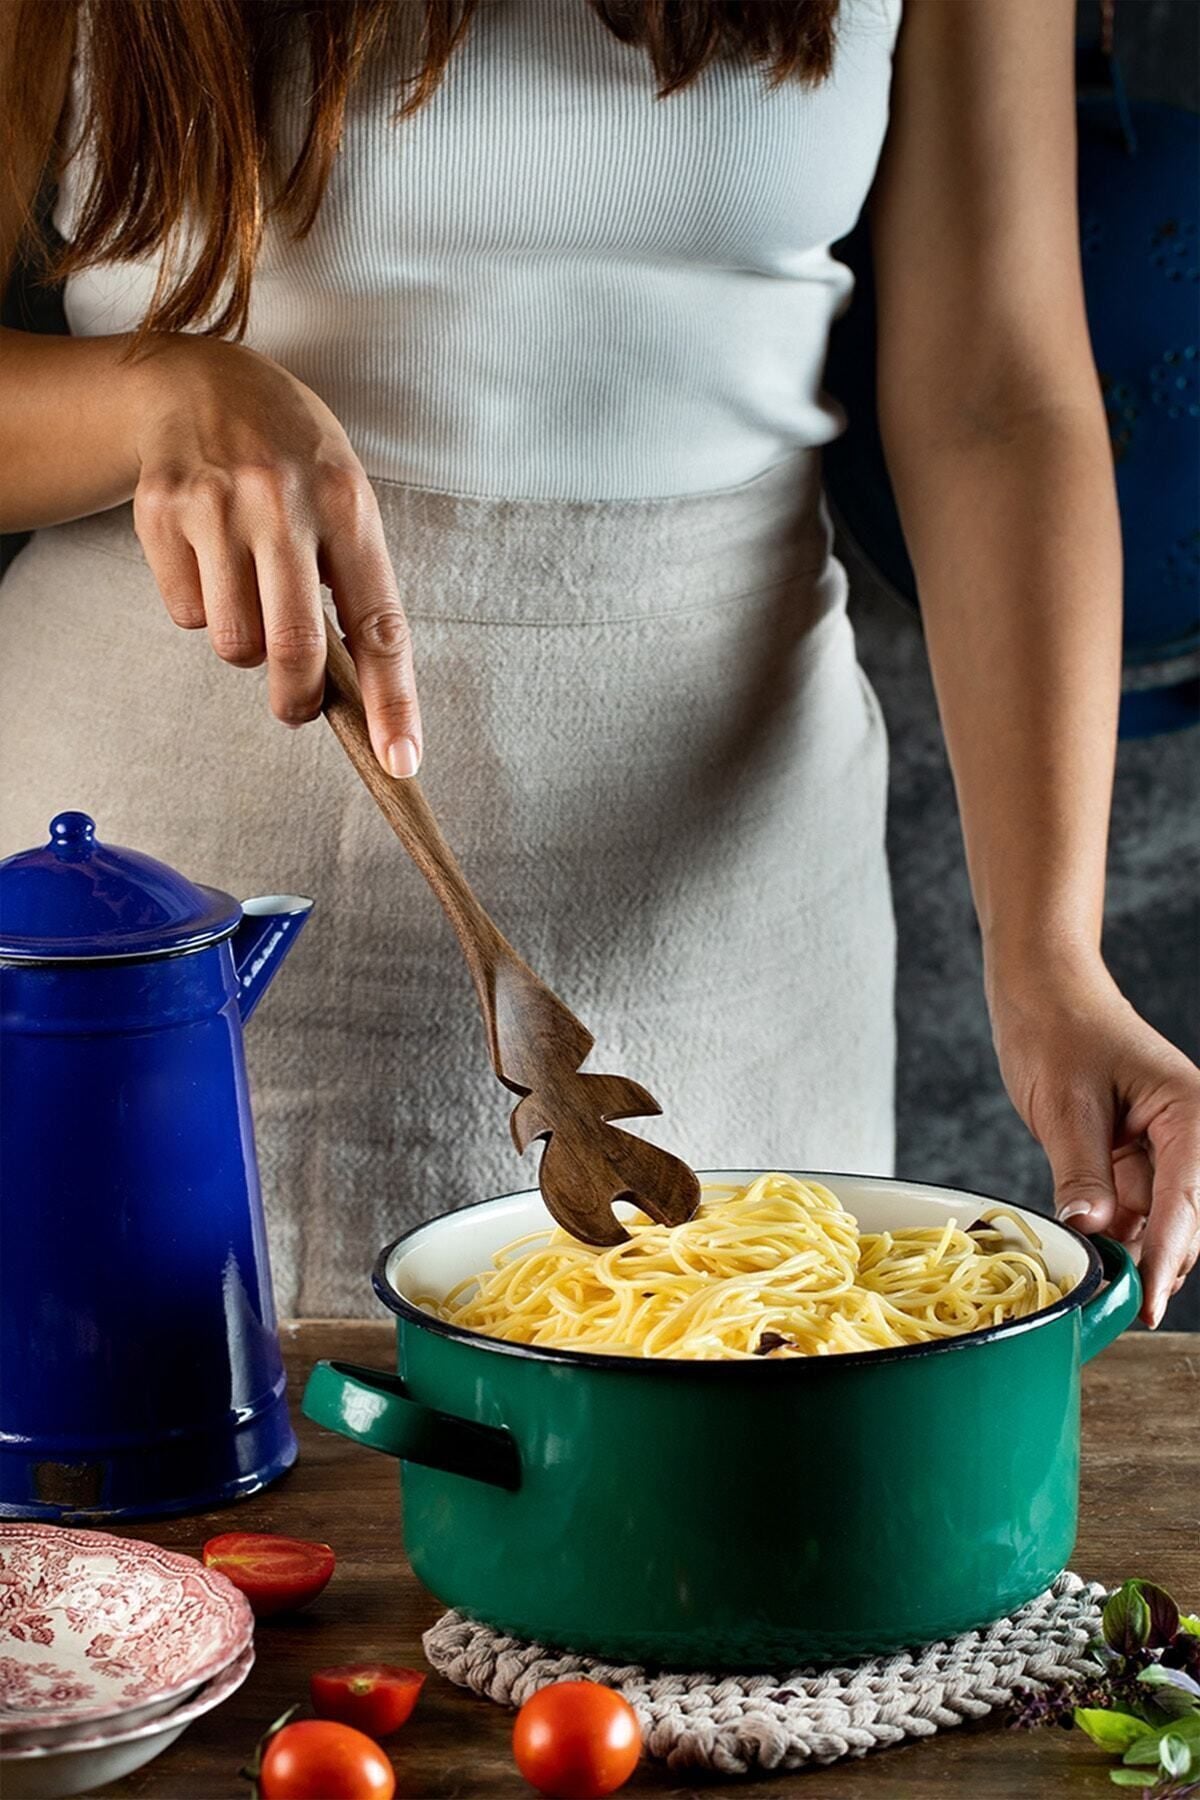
{"x": 72, "y": 832}
{"x": 75, "y": 898}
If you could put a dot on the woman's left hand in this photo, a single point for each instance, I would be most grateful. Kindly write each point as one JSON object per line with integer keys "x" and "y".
{"x": 1116, "y": 1109}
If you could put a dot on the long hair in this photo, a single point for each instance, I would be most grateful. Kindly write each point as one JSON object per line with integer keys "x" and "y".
{"x": 180, "y": 94}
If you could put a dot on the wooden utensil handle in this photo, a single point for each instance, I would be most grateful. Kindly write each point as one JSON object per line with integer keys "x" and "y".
{"x": 410, "y": 816}
{"x": 536, "y": 1043}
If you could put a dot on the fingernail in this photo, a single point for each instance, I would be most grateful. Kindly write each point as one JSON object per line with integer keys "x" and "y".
{"x": 402, "y": 758}
{"x": 1074, "y": 1209}
{"x": 1156, "y": 1313}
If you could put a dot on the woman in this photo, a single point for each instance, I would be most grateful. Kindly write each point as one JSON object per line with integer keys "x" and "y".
{"x": 542, "y": 357}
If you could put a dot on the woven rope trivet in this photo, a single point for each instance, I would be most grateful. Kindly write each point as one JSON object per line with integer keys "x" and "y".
{"x": 739, "y": 1723}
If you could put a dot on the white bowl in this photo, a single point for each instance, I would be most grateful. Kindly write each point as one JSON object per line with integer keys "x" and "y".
{"x": 55, "y": 1769}
{"x": 98, "y": 1631}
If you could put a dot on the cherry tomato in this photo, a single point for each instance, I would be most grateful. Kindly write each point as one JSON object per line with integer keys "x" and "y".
{"x": 376, "y": 1697}
{"x": 577, "y": 1740}
{"x": 276, "y": 1574}
{"x": 315, "y": 1759}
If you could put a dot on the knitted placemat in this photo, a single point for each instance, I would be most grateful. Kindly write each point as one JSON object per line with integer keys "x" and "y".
{"x": 740, "y": 1723}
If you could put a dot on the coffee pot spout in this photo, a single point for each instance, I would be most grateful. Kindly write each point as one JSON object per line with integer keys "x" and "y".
{"x": 270, "y": 925}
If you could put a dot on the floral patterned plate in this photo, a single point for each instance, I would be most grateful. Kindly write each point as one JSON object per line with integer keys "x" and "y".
{"x": 95, "y": 1628}
{"x": 51, "y": 1770}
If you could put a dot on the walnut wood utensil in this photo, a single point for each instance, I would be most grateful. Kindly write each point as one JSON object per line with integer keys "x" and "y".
{"x": 536, "y": 1045}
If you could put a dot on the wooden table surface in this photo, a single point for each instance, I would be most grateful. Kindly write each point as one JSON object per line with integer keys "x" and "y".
{"x": 1140, "y": 1515}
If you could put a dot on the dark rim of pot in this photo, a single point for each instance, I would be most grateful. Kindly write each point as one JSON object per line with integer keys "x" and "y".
{"x": 788, "y": 1366}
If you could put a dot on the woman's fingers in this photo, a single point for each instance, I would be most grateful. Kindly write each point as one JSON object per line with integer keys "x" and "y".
{"x": 231, "y": 603}
{"x": 1134, "y": 1178}
{"x": 1171, "y": 1245}
{"x": 171, "y": 559}
{"x": 1078, "y": 1142}
{"x": 359, "y": 571}
{"x": 242, "y": 548}
{"x": 294, "y": 627}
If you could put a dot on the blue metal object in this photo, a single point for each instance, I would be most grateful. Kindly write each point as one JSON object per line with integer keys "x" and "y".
{"x": 1139, "y": 226}
{"x": 76, "y": 897}
{"x": 140, "y": 1370}
{"x": 1139, "y": 217}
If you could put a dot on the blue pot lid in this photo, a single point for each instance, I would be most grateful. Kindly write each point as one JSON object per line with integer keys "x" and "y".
{"x": 76, "y": 897}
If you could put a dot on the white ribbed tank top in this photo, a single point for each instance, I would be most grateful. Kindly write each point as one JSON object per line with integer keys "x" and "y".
{"x": 549, "y": 283}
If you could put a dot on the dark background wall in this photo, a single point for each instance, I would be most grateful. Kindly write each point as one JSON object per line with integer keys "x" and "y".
{"x": 955, "y": 1123}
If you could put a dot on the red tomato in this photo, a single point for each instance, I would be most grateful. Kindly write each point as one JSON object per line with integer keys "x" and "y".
{"x": 376, "y": 1697}
{"x": 315, "y": 1759}
{"x": 577, "y": 1740}
{"x": 276, "y": 1574}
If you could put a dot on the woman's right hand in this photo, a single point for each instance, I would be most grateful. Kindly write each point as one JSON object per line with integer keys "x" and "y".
{"x": 248, "y": 496}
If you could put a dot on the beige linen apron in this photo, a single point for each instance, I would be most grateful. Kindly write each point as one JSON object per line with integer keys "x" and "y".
{"x": 648, "y": 739}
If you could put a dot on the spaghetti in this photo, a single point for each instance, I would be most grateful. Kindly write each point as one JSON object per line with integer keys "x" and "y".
{"x": 775, "y": 1269}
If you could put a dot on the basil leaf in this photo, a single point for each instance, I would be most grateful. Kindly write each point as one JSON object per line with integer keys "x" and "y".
{"x": 1157, "y": 1676}
{"x": 1126, "y": 1619}
{"x": 1174, "y": 1755}
{"x": 1113, "y": 1731}
{"x": 1164, "y": 1614}
{"x": 1132, "y": 1778}
{"x": 1190, "y": 1622}
{"x": 1144, "y": 1750}
{"x": 1170, "y": 1707}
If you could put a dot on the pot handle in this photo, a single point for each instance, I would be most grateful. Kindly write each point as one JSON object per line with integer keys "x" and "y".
{"x": 371, "y": 1406}
{"x": 1106, "y": 1314}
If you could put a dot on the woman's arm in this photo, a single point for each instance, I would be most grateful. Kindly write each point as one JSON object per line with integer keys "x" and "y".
{"x": 997, "y": 445}
{"x": 246, "y": 492}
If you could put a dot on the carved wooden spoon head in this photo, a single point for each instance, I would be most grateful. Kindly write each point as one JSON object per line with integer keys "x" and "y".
{"x": 588, "y": 1164}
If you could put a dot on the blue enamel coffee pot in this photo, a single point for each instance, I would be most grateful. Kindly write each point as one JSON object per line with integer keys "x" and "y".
{"x": 140, "y": 1369}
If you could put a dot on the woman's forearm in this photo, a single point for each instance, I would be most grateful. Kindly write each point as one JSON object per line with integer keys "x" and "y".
{"x": 67, "y": 427}
{"x": 1014, "y": 535}
{"x": 997, "y": 445}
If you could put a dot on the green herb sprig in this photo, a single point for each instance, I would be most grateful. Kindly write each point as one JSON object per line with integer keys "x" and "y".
{"x": 1141, "y": 1701}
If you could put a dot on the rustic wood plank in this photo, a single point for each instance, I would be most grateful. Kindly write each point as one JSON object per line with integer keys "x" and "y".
{"x": 1140, "y": 1515}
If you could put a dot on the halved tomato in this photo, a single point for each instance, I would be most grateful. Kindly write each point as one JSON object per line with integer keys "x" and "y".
{"x": 375, "y": 1697}
{"x": 276, "y": 1574}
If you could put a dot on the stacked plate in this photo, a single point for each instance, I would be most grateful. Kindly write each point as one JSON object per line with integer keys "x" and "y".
{"x": 109, "y": 1649}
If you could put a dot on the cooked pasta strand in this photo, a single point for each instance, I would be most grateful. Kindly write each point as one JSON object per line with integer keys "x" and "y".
{"x": 778, "y": 1268}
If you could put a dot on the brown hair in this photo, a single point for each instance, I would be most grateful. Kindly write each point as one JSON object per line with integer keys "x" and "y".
{"x": 179, "y": 111}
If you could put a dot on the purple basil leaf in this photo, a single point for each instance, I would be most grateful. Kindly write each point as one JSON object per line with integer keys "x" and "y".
{"x": 1164, "y": 1614}
{"x": 1183, "y": 1652}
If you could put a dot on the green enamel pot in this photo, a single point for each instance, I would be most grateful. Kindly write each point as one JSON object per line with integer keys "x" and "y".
{"x": 732, "y": 1514}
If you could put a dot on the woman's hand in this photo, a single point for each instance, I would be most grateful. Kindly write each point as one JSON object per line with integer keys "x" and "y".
{"x": 248, "y": 497}
{"x": 1116, "y": 1109}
